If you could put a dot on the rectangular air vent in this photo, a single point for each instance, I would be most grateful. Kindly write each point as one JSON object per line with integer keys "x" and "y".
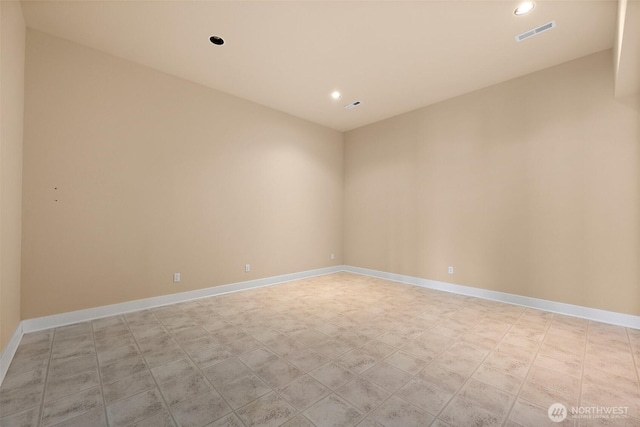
{"x": 536, "y": 31}
{"x": 354, "y": 104}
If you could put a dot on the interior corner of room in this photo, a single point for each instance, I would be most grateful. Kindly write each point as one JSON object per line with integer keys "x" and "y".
{"x": 116, "y": 176}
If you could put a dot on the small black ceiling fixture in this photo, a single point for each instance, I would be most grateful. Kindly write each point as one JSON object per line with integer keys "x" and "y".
{"x": 216, "y": 40}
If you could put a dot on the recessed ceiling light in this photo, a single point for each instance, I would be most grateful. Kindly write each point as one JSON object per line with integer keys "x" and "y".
{"x": 336, "y": 95}
{"x": 524, "y": 8}
{"x": 216, "y": 40}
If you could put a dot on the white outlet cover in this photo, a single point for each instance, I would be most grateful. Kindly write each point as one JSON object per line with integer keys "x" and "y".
{"x": 450, "y": 270}
{"x": 176, "y": 277}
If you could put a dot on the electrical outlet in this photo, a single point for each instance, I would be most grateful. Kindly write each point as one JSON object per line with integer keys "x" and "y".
{"x": 176, "y": 277}
{"x": 247, "y": 268}
{"x": 450, "y": 271}
{"x": 333, "y": 256}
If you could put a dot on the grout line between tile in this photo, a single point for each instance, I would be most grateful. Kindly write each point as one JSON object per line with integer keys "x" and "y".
{"x": 526, "y": 377}
{"x": 126, "y": 322}
{"x": 46, "y": 378}
{"x": 100, "y": 382}
{"x": 349, "y": 323}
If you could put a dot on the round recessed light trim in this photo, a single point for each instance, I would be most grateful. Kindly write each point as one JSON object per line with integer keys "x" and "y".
{"x": 217, "y": 40}
{"x": 524, "y": 8}
{"x": 336, "y": 95}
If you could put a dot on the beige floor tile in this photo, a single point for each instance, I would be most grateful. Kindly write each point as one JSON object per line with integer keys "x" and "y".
{"x": 623, "y": 385}
{"x": 298, "y": 421}
{"x": 462, "y": 413}
{"x": 562, "y": 383}
{"x": 386, "y": 376}
{"x": 457, "y": 362}
{"x": 122, "y": 368}
{"x": 377, "y": 349}
{"x": 21, "y": 391}
{"x": 406, "y": 362}
{"x": 310, "y": 336}
{"x": 332, "y": 375}
{"x": 163, "y": 355}
{"x": 363, "y": 394}
{"x": 244, "y": 345}
{"x": 342, "y": 339}
{"x": 598, "y": 395}
{"x": 543, "y": 396}
{"x": 66, "y": 367}
{"x": 396, "y": 412}
{"x": 393, "y": 339}
{"x": 93, "y": 418}
{"x": 268, "y": 411}
{"x": 425, "y": 394}
{"x": 498, "y": 379}
{"x": 566, "y": 366}
{"x": 369, "y": 422}
{"x": 71, "y": 406}
{"x": 279, "y": 373}
{"x": 200, "y": 410}
{"x": 449, "y": 381}
{"x": 487, "y": 397}
{"x": 332, "y": 348}
{"x": 258, "y": 358}
{"x": 228, "y": 334}
{"x": 357, "y": 360}
{"x": 184, "y": 388}
{"x": 60, "y": 387}
{"x": 173, "y": 370}
{"x": 440, "y": 423}
{"x": 200, "y": 344}
{"x": 110, "y": 355}
{"x": 128, "y": 386}
{"x": 21, "y": 364}
{"x": 243, "y": 390}
{"x": 526, "y": 414}
{"x": 285, "y": 347}
{"x": 230, "y": 420}
{"x": 307, "y": 359}
{"x": 333, "y": 411}
{"x": 211, "y": 356}
{"x": 304, "y": 392}
{"x": 189, "y": 333}
{"x": 225, "y": 371}
{"x": 160, "y": 419}
{"x": 507, "y": 363}
{"x": 28, "y": 418}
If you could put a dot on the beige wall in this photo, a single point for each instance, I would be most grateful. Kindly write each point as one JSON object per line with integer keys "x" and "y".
{"x": 12, "y": 50}
{"x": 155, "y": 175}
{"x": 530, "y": 187}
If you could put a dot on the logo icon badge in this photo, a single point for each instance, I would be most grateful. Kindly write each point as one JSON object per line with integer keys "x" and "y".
{"x": 557, "y": 412}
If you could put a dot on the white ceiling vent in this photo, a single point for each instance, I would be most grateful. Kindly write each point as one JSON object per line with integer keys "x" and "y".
{"x": 536, "y": 31}
{"x": 354, "y": 104}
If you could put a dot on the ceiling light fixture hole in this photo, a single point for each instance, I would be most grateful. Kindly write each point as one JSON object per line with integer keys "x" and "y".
{"x": 219, "y": 41}
{"x": 524, "y": 8}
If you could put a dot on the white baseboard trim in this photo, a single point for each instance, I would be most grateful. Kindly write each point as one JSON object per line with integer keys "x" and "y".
{"x": 62, "y": 319}
{"x": 604, "y": 316}
{"x": 9, "y": 351}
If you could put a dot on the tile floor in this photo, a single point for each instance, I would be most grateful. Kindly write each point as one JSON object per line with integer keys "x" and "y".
{"x": 336, "y": 350}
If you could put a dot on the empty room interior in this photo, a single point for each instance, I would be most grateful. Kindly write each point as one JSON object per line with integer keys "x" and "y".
{"x": 320, "y": 213}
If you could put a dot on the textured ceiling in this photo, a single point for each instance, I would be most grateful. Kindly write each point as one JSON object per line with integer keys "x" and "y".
{"x": 394, "y": 56}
